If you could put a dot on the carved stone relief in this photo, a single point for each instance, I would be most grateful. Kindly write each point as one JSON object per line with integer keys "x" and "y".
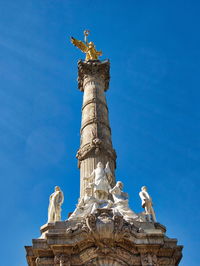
{"x": 100, "y": 70}
{"x": 149, "y": 259}
{"x": 62, "y": 260}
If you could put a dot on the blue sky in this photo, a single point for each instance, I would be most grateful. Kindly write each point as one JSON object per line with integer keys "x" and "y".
{"x": 154, "y": 49}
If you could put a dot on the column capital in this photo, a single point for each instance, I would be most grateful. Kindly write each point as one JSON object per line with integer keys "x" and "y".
{"x": 93, "y": 68}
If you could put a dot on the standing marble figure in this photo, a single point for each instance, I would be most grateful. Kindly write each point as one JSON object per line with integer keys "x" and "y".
{"x": 147, "y": 204}
{"x": 99, "y": 178}
{"x": 55, "y": 201}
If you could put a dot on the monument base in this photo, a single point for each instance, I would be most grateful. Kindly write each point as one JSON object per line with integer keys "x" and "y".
{"x": 103, "y": 239}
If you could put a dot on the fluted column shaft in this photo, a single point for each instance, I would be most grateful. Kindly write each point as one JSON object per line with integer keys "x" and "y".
{"x": 96, "y": 143}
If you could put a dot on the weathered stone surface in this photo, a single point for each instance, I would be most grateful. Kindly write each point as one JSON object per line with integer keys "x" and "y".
{"x": 103, "y": 239}
{"x": 105, "y": 236}
{"x": 96, "y": 143}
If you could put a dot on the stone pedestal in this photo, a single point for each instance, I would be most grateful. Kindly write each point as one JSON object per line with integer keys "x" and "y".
{"x": 103, "y": 239}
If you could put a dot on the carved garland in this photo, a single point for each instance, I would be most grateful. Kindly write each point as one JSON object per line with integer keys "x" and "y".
{"x": 95, "y": 146}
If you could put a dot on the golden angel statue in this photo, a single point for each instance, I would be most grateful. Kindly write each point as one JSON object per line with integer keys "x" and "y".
{"x": 87, "y": 47}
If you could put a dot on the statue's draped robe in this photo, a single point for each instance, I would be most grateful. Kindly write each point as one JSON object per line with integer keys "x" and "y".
{"x": 55, "y": 201}
{"x": 86, "y": 206}
{"x": 100, "y": 180}
{"x": 121, "y": 204}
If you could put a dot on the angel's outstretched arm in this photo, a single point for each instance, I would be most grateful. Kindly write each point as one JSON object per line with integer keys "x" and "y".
{"x": 99, "y": 53}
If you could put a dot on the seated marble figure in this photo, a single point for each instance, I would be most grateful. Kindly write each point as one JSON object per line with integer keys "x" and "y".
{"x": 86, "y": 205}
{"x": 121, "y": 206}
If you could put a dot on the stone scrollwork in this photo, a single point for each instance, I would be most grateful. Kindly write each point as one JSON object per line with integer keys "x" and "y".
{"x": 91, "y": 222}
{"x": 118, "y": 223}
{"x": 166, "y": 261}
{"x": 103, "y": 224}
{"x": 149, "y": 259}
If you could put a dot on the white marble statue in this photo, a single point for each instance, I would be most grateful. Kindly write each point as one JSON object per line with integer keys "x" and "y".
{"x": 100, "y": 180}
{"x": 147, "y": 204}
{"x": 86, "y": 205}
{"x": 55, "y": 201}
{"x": 121, "y": 205}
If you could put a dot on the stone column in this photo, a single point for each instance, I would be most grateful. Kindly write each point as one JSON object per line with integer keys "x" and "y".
{"x": 96, "y": 143}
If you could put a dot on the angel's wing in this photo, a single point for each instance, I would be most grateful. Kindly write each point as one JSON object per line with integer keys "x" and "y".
{"x": 107, "y": 169}
{"x": 81, "y": 45}
{"x": 108, "y": 172}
